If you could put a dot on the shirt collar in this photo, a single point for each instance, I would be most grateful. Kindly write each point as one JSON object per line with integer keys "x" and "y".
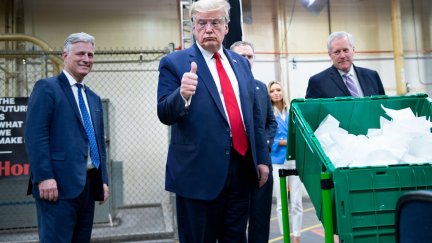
{"x": 208, "y": 55}
{"x": 71, "y": 79}
{"x": 351, "y": 72}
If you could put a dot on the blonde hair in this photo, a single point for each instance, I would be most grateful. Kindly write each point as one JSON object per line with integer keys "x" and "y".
{"x": 203, "y": 6}
{"x": 284, "y": 99}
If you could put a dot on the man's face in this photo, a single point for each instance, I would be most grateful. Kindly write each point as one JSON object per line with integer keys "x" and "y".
{"x": 209, "y": 29}
{"x": 341, "y": 54}
{"x": 245, "y": 51}
{"x": 79, "y": 61}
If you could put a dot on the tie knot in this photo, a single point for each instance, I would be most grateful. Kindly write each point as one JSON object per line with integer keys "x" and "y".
{"x": 216, "y": 55}
{"x": 79, "y": 85}
{"x": 347, "y": 75}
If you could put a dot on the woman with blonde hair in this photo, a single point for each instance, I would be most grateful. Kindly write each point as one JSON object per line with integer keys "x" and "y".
{"x": 278, "y": 157}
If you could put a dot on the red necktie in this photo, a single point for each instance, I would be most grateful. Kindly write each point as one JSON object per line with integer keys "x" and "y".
{"x": 239, "y": 138}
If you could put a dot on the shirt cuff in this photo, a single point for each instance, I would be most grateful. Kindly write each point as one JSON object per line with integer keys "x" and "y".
{"x": 187, "y": 101}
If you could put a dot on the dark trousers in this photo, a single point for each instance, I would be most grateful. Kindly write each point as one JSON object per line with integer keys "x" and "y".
{"x": 260, "y": 212}
{"x": 223, "y": 219}
{"x": 67, "y": 220}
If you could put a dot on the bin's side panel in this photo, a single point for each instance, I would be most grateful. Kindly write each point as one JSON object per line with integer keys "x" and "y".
{"x": 363, "y": 199}
{"x": 303, "y": 146}
{"x": 366, "y": 198}
{"x": 309, "y": 168}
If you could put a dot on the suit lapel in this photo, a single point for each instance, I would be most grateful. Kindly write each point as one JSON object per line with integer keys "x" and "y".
{"x": 337, "y": 79}
{"x": 205, "y": 77}
{"x": 244, "y": 101}
{"x": 91, "y": 101}
{"x": 64, "y": 83}
{"x": 362, "y": 79}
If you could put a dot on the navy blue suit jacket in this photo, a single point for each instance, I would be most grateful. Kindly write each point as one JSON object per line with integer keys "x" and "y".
{"x": 266, "y": 107}
{"x": 329, "y": 83}
{"x": 56, "y": 141}
{"x": 199, "y": 150}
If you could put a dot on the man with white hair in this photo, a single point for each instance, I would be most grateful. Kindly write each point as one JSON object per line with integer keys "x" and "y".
{"x": 217, "y": 151}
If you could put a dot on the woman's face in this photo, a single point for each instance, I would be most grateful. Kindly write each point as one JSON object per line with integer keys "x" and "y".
{"x": 276, "y": 93}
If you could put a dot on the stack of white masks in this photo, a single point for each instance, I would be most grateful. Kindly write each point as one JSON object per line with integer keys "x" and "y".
{"x": 404, "y": 139}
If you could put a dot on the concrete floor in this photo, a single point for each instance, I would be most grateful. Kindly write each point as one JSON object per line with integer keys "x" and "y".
{"x": 135, "y": 218}
{"x": 312, "y": 230}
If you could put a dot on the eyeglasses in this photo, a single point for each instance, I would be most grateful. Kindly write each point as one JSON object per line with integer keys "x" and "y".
{"x": 215, "y": 23}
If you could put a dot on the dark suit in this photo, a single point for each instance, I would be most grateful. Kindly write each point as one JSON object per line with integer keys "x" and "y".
{"x": 57, "y": 148}
{"x": 329, "y": 83}
{"x": 201, "y": 165}
{"x": 261, "y": 198}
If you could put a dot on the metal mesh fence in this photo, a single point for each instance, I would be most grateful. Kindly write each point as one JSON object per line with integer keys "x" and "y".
{"x": 139, "y": 207}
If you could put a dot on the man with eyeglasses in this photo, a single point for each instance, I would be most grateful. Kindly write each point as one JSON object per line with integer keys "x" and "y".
{"x": 261, "y": 198}
{"x": 343, "y": 78}
{"x": 217, "y": 150}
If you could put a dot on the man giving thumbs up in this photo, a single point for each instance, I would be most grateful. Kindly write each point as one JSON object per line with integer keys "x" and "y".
{"x": 189, "y": 82}
{"x": 206, "y": 94}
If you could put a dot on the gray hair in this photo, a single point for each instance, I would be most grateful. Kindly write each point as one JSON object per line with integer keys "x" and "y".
{"x": 339, "y": 35}
{"x": 78, "y": 37}
{"x": 242, "y": 43}
{"x": 203, "y": 6}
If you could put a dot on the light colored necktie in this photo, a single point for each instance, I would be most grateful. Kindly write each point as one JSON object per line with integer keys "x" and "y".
{"x": 351, "y": 85}
{"x": 94, "y": 153}
{"x": 240, "y": 142}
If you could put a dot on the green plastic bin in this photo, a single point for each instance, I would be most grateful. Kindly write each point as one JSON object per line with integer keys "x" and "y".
{"x": 362, "y": 199}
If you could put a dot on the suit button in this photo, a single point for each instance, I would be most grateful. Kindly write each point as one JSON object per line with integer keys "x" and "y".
{"x": 227, "y": 152}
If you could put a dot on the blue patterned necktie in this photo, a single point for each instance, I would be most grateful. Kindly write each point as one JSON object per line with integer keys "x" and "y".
{"x": 94, "y": 154}
{"x": 350, "y": 85}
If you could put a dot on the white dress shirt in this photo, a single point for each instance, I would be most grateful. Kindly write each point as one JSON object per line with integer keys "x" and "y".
{"x": 211, "y": 63}
{"x": 72, "y": 83}
{"x": 354, "y": 78}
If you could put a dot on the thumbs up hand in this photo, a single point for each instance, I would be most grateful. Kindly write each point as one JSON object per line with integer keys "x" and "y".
{"x": 189, "y": 82}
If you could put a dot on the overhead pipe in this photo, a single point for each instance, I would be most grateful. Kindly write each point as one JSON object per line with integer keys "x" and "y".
{"x": 57, "y": 61}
